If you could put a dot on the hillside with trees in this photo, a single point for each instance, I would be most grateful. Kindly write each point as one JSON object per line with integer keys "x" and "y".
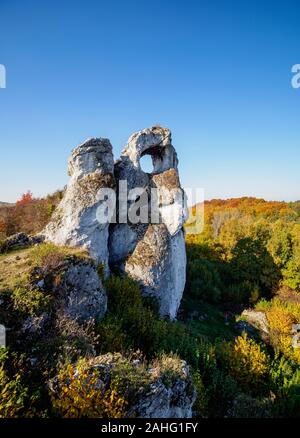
{"x": 235, "y": 327}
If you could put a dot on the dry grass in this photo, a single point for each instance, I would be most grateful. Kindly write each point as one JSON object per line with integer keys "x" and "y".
{"x": 287, "y": 294}
{"x": 13, "y": 267}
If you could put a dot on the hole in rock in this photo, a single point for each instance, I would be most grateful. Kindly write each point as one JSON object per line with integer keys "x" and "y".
{"x": 146, "y": 163}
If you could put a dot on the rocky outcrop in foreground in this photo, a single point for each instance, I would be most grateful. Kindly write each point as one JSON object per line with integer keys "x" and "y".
{"x": 163, "y": 391}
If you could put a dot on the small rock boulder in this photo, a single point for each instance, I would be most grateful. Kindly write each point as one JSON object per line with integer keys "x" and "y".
{"x": 258, "y": 321}
{"x": 19, "y": 241}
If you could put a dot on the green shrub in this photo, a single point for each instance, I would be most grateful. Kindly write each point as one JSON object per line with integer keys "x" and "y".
{"x": 221, "y": 389}
{"x": 200, "y": 405}
{"x": 132, "y": 322}
{"x": 30, "y": 301}
{"x": 285, "y": 381}
{"x": 263, "y": 305}
{"x": 251, "y": 262}
{"x": 140, "y": 325}
{"x": 129, "y": 376}
{"x": 112, "y": 336}
{"x": 12, "y": 392}
{"x": 291, "y": 273}
{"x": 174, "y": 337}
{"x": 246, "y": 362}
{"x": 49, "y": 256}
{"x": 245, "y": 406}
{"x": 243, "y": 292}
{"x": 203, "y": 280}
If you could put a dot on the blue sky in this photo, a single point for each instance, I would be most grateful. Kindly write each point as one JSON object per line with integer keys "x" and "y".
{"x": 217, "y": 73}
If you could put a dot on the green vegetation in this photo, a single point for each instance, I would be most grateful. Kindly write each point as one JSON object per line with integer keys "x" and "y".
{"x": 247, "y": 256}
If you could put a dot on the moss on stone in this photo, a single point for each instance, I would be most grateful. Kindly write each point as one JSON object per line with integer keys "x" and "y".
{"x": 148, "y": 250}
{"x": 168, "y": 179}
{"x": 88, "y": 187}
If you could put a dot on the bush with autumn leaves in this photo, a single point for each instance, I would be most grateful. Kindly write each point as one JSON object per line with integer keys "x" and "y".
{"x": 248, "y": 249}
{"x": 28, "y": 215}
{"x": 247, "y": 255}
{"x": 283, "y": 315}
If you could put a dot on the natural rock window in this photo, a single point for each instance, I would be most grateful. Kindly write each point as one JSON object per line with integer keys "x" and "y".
{"x": 146, "y": 163}
{"x": 151, "y": 252}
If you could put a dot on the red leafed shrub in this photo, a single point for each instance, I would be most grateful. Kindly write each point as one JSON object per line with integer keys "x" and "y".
{"x": 2, "y": 227}
{"x": 28, "y": 215}
{"x": 25, "y": 198}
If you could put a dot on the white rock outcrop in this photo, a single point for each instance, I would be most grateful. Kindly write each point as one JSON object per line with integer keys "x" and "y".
{"x": 149, "y": 247}
{"x": 74, "y": 223}
{"x": 153, "y": 253}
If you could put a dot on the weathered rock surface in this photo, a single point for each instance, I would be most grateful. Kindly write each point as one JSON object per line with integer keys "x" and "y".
{"x": 154, "y": 252}
{"x": 257, "y": 320}
{"x": 85, "y": 297}
{"x": 158, "y": 264}
{"x": 167, "y": 401}
{"x": 171, "y": 201}
{"x": 149, "y": 246}
{"x": 77, "y": 291}
{"x": 155, "y": 396}
{"x": 155, "y": 141}
{"x": 74, "y": 222}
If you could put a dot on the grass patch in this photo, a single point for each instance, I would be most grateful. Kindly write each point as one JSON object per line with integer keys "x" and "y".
{"x": 49, "y": 256}
{"x": 207, "y": 320}
{"x": 13, "y": 267}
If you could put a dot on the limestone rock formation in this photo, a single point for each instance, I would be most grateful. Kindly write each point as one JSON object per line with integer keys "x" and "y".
{"x": 74, "y": 222}
{"x": 147, "y": 240}
{"x": 158, "y": 262}
{"x": 153, "y": 253}
{"x": 78, "y": 292}
{"x": 156, "y": 395}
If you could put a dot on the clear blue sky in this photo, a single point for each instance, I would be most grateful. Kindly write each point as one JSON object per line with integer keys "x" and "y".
{"x": 216, "y": 72}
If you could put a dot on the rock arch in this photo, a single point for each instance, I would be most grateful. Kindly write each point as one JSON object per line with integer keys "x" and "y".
{"x": 153, "y": 254}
